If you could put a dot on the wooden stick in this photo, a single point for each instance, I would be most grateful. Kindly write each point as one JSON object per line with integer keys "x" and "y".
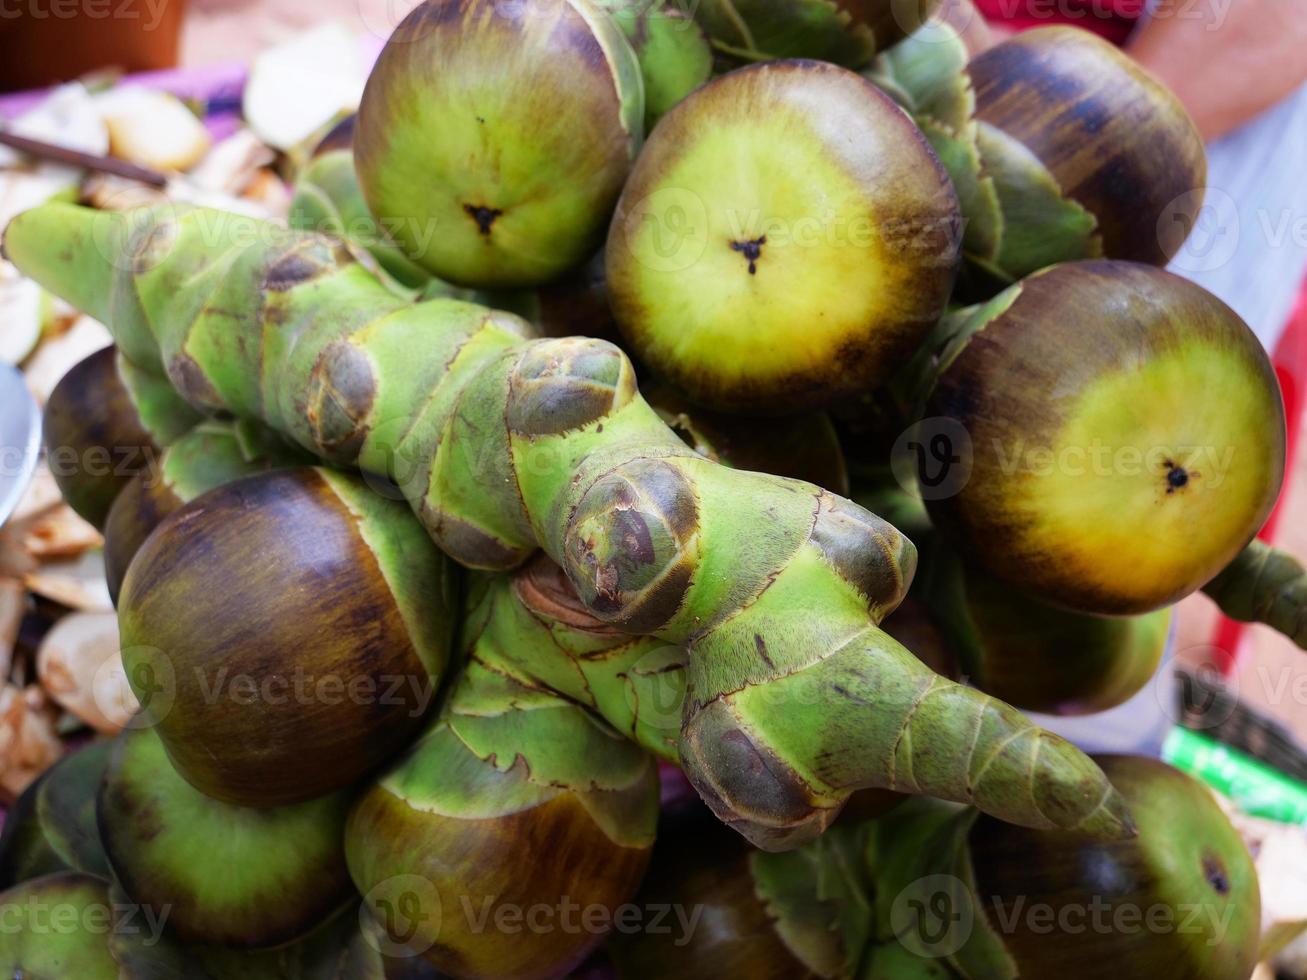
{"x": 76, "y": 158}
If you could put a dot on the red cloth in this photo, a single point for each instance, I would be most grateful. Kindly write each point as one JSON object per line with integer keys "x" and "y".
{"x": 1113, "y": 19}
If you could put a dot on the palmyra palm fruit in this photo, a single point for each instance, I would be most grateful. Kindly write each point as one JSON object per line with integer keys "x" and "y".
{"x": 673, "y": 51}
{"x": 1125, "y": 435}
{"x": 848, "y": 32}
{"x": 517, "y": 800}
{"x": 1180, "y": 900}
{"x": 493, "y": 138}
{"x": 774, "y": 587}
{"x": 209, "y": 455}
{"x": 104, "y": 423}
{"x": 1032, "y": 655}
{"x": 786, "y": 240}
{"x": 738, "y": 912}
{"x": 936, "y": 891}
{"x": 224, "y": 875}
{"x": 1060, "y": 146}
{"x": 285, "y": 633}
{"x": 51, "y": 827}
{"x": 72, "y": 925}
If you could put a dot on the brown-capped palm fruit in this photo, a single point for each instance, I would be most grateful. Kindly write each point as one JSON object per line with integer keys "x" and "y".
{"x": 209, "y": 455}
{"x": 225, "y": 875}
{"x": 1061, "y": 148}
{"x": 105, "y": 422}
{"x": 847, "y": 32}
{"x": 739, "y": 912}
{"x": 1179, "y": 900}
{"x": 786, "y": 240}
{"x": 65, "y": 808}
{"x": 805, "y": 447}
{"x": 25, "y": 849}
{"x": 493, "y": 139}
{"x": 1125, "y": 436}
{"x": 285, "y": 634}
{"x": 518, "y": 803}
{"x": 673, "y": 51}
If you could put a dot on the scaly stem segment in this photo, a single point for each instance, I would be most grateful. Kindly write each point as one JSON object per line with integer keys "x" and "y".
{"x": 503, "y": 444}
{"x": 1264, "y": 585}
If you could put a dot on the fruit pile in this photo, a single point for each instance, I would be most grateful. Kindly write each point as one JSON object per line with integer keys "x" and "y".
{"x": 423, "y": 589}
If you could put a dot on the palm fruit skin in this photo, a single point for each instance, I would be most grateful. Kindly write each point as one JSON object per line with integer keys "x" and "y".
{"x": 786, "y": 240}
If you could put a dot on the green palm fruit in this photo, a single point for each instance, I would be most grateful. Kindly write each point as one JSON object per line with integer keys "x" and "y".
{"x": 105, "y": 422}
{"x": 516, "y": 801}
{"x": 60, "y": 925}
{"x": 1264, "y": 585}
{"x": 493, "y": 139}
{"x": 211, "y": 454}
{"x": 1115, "y": 435}
{"x": 1060, "y": 146}
{"x": 773, "y": 586}
{"x": 786, "y": 240}
{"x": 847, "y": 32}
{"x": 285, "y": 633}
{"x": 224, "y": 875}
{"x": 673, "y": 51}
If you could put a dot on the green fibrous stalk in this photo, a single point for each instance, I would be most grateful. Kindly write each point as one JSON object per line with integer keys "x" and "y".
{"x": 503, "y": 445}
{"x": 1060, "y": 148}
{"x": 847, "y": 32}
{"x": 1264, "y": 585}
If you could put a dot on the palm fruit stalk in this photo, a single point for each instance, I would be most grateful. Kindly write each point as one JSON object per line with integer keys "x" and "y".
{"x": 105, "y": 422}
{"x": 209, "y": 455}
{"x": 1034, "y": 656}
{"x": 493, "y": 139}
{"x": 223, "y": 875}
{"x": 932, "y": 890}
{"x": 773, "y": 586}
{"x": 1264, "y": 585}
{"x": 1106, "y": 436}
{"x": 847, "y": 32}
{"x": 286, "y": 634}
{"x": 673, "y": 51}
{"x": 518, "y": 798}
{"x": 1060, "y": 146}
{"x": 786, "y": 240}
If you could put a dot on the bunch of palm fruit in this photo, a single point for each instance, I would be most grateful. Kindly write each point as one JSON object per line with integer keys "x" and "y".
{"x": 419, "y": 592}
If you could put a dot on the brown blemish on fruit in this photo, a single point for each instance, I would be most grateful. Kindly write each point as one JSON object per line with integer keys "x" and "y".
{"x": 1215, "y": 873}
{"x": 1177, "y": 477}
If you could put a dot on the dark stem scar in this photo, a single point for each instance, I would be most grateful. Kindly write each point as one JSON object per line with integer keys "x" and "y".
{"x": 1214, "y": 872}
{"x": 1177, "y": 477}
{"x": 751, "y": 250}
{"x": 483, "y": 216}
